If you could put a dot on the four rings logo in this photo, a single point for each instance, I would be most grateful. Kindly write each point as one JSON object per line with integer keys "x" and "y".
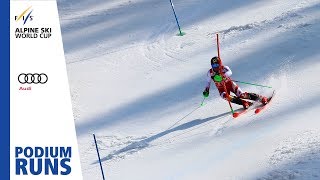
{"x": 35, "y": 78}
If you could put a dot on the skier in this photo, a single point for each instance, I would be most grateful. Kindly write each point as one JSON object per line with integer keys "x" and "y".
{"x": 219, "y": 79}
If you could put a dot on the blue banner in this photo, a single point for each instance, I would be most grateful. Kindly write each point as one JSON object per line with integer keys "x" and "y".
{"x": 5, "y": 91}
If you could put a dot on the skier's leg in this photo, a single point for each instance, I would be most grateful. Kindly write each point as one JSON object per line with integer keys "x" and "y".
{"x": 254, "y": 97}
{"x": 236, "y": 100}
{"x": 235, "y": 88}
{"x": 245, "y": 95}
{"x": 251, "y": 96}
{"x": 232, "y": 98}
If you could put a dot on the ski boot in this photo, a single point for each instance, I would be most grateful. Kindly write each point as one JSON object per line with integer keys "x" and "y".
{"x": 239, "y": 101}
{"x": 246, "y": 104}
{"x": 264, "y": 100}
{"x": 255, "y": 97}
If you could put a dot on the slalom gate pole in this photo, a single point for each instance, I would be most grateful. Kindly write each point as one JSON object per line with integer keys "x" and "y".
{"x": 220, "y": 71}
{"x": 252, "y": 84}
{"x": 95, "y": 141}
{"x": 174, "y": 12}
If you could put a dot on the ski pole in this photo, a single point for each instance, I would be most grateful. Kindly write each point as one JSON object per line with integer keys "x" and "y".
{"x": 252, "y": 84}
{"x": 202, "y": 101}
{"x": 183, "y": 117}
{"x": 187, "y": 114}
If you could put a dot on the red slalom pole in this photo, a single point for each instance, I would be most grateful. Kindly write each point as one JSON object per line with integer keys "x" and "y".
{"x": 220, "y": 71}
{"x": 218, "y": 49}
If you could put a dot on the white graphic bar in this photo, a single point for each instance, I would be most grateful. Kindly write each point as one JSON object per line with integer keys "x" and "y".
{"x": 42, "y": 131}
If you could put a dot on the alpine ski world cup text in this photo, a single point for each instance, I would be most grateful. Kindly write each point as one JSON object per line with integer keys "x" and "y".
{"x": 43, "y": 160}
{"x": 33, "y": 32}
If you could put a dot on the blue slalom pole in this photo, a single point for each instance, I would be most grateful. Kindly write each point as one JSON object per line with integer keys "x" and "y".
{"x": 95, "y": 141}
{"x": 174, "y": 12}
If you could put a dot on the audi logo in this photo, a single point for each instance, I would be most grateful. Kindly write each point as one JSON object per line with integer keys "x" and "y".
{"x": 30, "y": 78}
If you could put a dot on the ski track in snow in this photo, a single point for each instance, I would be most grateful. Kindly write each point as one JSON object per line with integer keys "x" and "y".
{"x": 118, "y": 147}
{"x": 296, "y": 157}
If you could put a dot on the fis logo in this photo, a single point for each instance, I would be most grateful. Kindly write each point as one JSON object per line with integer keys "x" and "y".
{"x": 25, "y": 16}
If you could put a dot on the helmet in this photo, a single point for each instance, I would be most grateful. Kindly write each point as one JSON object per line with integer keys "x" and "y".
{"x": 215, "y": 62}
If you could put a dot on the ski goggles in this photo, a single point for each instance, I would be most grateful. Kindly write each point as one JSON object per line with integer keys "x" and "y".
{"x": 215, "y": 65}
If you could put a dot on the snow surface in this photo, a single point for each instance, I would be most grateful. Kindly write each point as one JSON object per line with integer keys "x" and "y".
{"x": 138, "y": 86}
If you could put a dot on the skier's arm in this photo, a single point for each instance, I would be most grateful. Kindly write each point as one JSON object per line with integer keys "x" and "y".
{"x": 206, "y": 91}
{"x": 226, "y": 71}
{"x": 208, "y": 81}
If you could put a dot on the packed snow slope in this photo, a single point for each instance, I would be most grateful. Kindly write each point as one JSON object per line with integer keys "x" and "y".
{"x": 138, "y": 86}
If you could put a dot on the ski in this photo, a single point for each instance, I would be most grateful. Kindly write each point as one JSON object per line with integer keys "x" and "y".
{"x": 253, "y": 106}
{"x": 260, "y": 108}
{"x": 243, "y": 111}
{"x": 238, "y": 113}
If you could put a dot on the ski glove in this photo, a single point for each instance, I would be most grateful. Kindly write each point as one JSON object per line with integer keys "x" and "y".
{"x": 206, "y": 93}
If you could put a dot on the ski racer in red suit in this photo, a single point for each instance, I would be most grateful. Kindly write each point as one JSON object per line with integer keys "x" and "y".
{"x": 214, "y": 75}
